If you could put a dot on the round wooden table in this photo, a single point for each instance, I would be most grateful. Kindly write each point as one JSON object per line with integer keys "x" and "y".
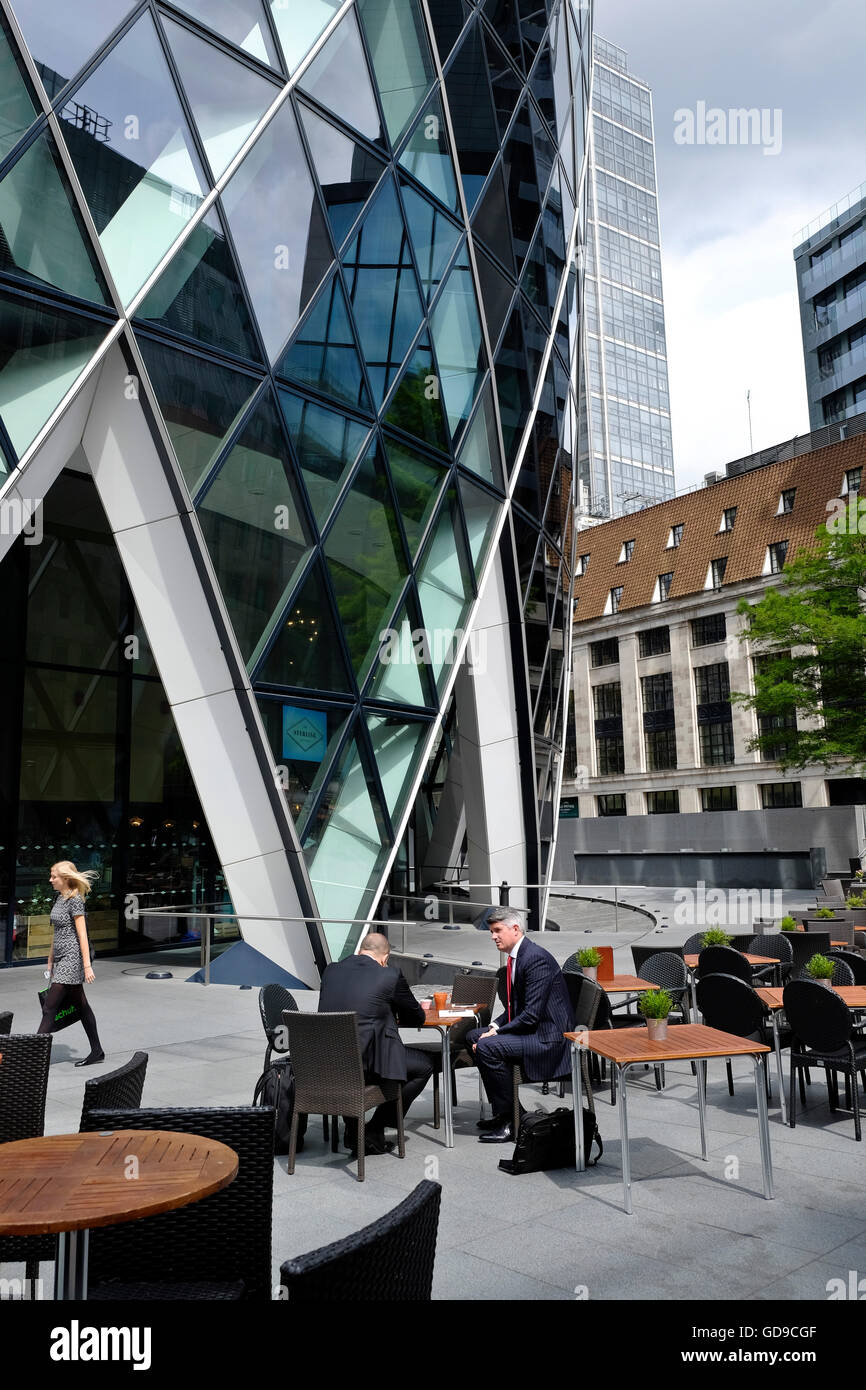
{"x": 68, "y": 1183}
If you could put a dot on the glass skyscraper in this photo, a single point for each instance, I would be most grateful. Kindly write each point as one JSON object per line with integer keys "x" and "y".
{"x": 289, "y": 335}
{"x": 626, "y": 455}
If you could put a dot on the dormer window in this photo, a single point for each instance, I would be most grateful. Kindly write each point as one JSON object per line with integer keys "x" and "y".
{"x": 774, "y": 561}
{"x": 786, "y": 501}
{"x": 614, "y": 600}
{"x": 852, "y": 480}
{"x": 663, "y": 587}
{"x": 582, "y": 564}
{"x": 675, "y": 535}
{"x": 716, "y": 573}
{"x": 626, "y": 552}
{"x": 729, "y": 518}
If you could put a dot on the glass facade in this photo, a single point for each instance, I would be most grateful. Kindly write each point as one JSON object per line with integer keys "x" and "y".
{"x": 626, "y": 453}
{"x": 350, "y": 288}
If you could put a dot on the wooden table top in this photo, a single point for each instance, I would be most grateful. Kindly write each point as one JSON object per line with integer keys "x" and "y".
{"x": 853, "y": 995}
{"x": 447, "y": 1020}
{"x": 691, "y": 961}
{"x": 70, "y": 1182}
{"x": 624, "y": 984}
{"x": 684, "y": 1042}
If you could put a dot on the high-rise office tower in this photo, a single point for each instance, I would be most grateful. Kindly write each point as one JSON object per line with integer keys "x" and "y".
{"x": 289, "y": 325}
{"x": 626, "y": 454}
{"x": 830, "y": 256}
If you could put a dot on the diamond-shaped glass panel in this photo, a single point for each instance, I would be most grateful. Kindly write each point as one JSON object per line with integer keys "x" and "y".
{"x": 133, "y": 153}
{"x": 481, "y": 512}
{"x": 427, "y": 155}
{"x": 278, "y": 228}
{"x": 534, "y": 281}
{"x": 200, "y": 403}
{"x": 416, "y": 405}
{"x": 327, "y": 445}
{"x": 445, "y": 590}
{"x": 365, "y": 557}
{"x": 347, "y": 172}
{"x": 504, "y": 19}
{"x": 492, "y": 223}
{"x": 417, "y": 483}
{"x": 42, "y": 235}
{"x": 339, "y": 80}
{"x": 401, "y": 61}
{"x": 199, "y": 293}
{"x": 397, "y": 749}
{"x": 496, "y": 294}
{"x": 383, "y": 289}
{"x": 227, "y": 98}
{"x": 504, "y": 81}
{"x": 400, "y": 674}
{"x": 241, "y": 21}
{"x": 447, "y": 18}
{"x": 541, "y": 86}
{"x": 512, "y": 386}
{"x": 251, "y": 521}
{"x": 299, "y": 23}
{"x": 521, "y": 185}
{"x": 475, "y": 131}
{"x": 303, "y": 740}
{"x": 42, "y": 353}
{"x": 17, "y": 107}
{"x": 62, "y": 37}
{"x": 434, "y": 238}
{"x": 545, "y": 150}
{"x": 480, "y": 451}
{"x": 324, "y": 354}
{"x": 307, "y": 651}
{"x": 456, "y": 333}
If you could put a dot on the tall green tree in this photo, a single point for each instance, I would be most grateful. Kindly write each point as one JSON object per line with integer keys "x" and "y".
{"x": 809, "y": 631}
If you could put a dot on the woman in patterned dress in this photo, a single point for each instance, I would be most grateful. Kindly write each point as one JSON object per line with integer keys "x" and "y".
{"x": 69, "y": 957}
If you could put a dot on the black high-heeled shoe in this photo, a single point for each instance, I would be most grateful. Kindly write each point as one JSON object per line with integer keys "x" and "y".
{"x": 91, "y": 1060}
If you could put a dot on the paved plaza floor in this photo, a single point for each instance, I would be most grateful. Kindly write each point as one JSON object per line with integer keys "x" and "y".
{"x": 699, "y": 1230}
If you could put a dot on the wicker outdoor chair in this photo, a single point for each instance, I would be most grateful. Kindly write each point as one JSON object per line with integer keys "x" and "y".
{"x": 855, "y": 962}
{"x": 732, "y": 1005}
{"x": 466, "y": 989}
{"x": 329, "y": 1078}
{"x": 774, "y": 944}
{"x": 274, "y": 1000}
{"x": 23, "y": 1088}
{"x": 823, "y": 1034}
{"x": 804, "y": 945}
{"x": 218, "y": 1248}
{"x": 389, "y": 1261}
{"x": 695, "y": 944}
{"x": 5, "y": 1024}
{"x": 117, "y": 1090}
{"x": 723, "y": 960}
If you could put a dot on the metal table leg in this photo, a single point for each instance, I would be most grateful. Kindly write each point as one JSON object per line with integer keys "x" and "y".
{"x": 447, "y": 1097}
{"x": 701, "y": 1069}
{"x": 777, "y": 1045}
{"x": 623, "y": 1136}
{"x": 70, "y": 1269}
{"x": 577, "y": 1102}
{"x": 763, "y": 1126}
{"x": 695, "y": 1015}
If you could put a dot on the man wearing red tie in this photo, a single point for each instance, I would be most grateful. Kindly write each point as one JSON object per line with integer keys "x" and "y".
{"x": 529, "y": 1032}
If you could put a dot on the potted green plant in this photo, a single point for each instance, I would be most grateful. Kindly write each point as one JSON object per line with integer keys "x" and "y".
{"x": 788, "y": 924}
{"x": 820, "y": 969}
{"x": 715, "y": 937}
{"x": 589, "y": 960}
{"x": 655, "y": 1005}
{"x": 825, "y": 914}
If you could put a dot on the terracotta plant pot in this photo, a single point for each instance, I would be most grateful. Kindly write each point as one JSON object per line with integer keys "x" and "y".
{"x": 657, "y": 1029}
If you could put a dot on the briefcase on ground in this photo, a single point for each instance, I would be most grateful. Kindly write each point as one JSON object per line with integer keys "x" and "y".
{"x": 545, "y": 1140}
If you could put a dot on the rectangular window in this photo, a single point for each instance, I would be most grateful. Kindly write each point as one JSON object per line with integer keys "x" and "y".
{"x": 626, "y": 553}
{"x": 662, "y": 803}
{"x": 665, "y": 581}
{"x": 718, "y": 798}
{"x": 729, "y": 518}
{"x": 607, "y": 701}
{"x": 611, "y": 805}
{"x": 582, "y": 564}
{"x": 712, "y": 683}
{"x": 657, "y": 692}
{"x": 781, "y": 794}
{"x": 777, "y": 554}
{"x": 717, "y": 743}
{"x": 610, "y": 756}
{"x": 654, "y": 641}
{"x": 604, "y": 653}
{"x": 786, "y": 501}
{"x": 615, "y": 599}
{"x": 661, "y": 750}
{"x": 675, "y": 537}
{"x": 707, "y": 630}
{"x": 852, "y": 479}
{"x": 717, "y": 571}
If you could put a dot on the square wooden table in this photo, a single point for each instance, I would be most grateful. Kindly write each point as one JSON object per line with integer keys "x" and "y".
{"x": 625, "y": 1048}
{"x": 624, "y": 984}
{"x": 444, "y": 1022}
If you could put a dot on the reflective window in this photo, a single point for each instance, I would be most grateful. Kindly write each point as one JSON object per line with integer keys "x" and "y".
{"x": 278, "y": 229}
{"x": 427, "y": 156}
{"x": 504, "y": 81}
{"x": 299, "y": 25}
{"x": 252, "y": 524}
{"x": 434, "y": 238}
{"x": 512, "y": 387}
{"x": 61, "y": 39}
{"x": 504, "y": 19}
{"x": 417, "y": 483}
{"x": 303, "y": 740}
{"x": 397, "y": 749}
{"x": 338, "y": 79}
{"x": 228, "y": 100}
{"x": 42, "y": 236}
{"x": 496, "y": 293}
{"x": 383, "y": 289}
{"x": 199, "y": 293}
{"x": 521, "y": 186}
{"x": 480, "y": 450}
{"x": 475, "y": 131}
{"x": 347, "y": 172}
{"x": 241, "y": 21}
{"x": 491, "y": 222}
{"x": 18, "y": 109}
{"x": 400, "y": 672}
{"x": 456, "y": 333}
{"x": 42, "y": 353}
{"x": 327, "y": 445}
{"x": 68, "y": 736}
{"x": 481, "y": 512}
{"x": 365, "y": 557}
{"x": 445, "y": 590}
{"x": 133, "y": 153}
{"x": 200, "y": 403}
{"x": 308, "y": 651}
{"x": 416, "y": 405}
{"x": 324, "y": 354}
{"x": 401, "y": 62}
{"x": 447, "y": 18}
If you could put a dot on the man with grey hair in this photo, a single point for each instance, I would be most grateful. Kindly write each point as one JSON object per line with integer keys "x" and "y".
{"x": 529, "y": 1033}
{"x": 378, "y": 993}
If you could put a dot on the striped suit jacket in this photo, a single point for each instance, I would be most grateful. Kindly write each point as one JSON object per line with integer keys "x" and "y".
{"x": 541, "y": 1013}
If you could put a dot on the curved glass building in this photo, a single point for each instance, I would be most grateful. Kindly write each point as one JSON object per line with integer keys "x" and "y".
{"x": 289, "y": 343}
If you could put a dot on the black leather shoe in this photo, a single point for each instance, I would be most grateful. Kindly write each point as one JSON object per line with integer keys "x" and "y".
{"x": 91, "y": 1061}
{"x": 504, "y": 1135}
{"x": 374, "y": 1144}
{"x": 495, "y": 1122}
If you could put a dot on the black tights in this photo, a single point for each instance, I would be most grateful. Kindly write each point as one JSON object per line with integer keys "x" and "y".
{"x": 73, "y": 994}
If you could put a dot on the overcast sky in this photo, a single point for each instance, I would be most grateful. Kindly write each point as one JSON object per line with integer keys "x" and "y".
{"x": 729, "y": 213}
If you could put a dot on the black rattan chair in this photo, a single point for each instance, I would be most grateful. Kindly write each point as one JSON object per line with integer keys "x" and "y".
{"x": 856, "y": 964}
{"x": 842, "y": 972}
{"x": 823, "y": 1035}
{"x": 218, "y": 1248}
{"x": 5, "y": 1024}
{"x": 641, "y": 954}
{"x": 777, "y": 945}
{"x": 723, "y": 960}
{"x": 389, "y": 1261}
{"x": 668, "y": 971}
{"x": 695, "y": 943}
{"x": 732, "y": 1005}
{"x": 274, "y": 1000}
{"x": 329, "y": 1078}
{"x": 23, "y": 1088}
{"x": 467, "y": 988}
{"x": 117, "y": 1090}
{"x": 804, "y": 945}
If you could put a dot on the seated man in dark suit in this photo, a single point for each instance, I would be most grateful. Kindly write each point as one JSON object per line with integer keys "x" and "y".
{"x": 378, "y": 993}
{"x": 529, "y": 1032}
